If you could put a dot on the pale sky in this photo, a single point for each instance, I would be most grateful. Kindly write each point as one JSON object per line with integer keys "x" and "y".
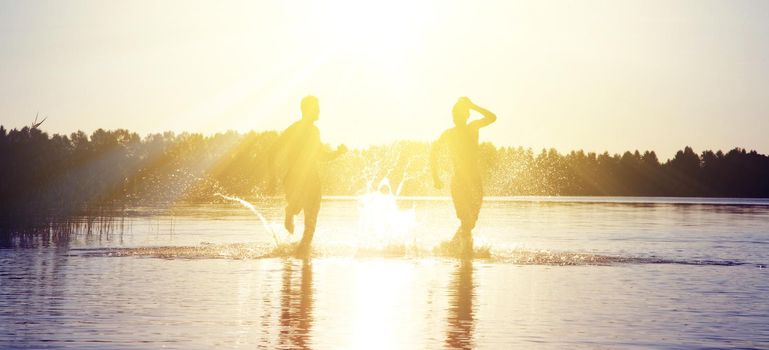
{"x": 595, "y": 75}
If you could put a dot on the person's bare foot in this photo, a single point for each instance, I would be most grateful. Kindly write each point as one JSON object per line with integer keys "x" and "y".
{"x": 462, "y": 244}
{"x": 288, "y": 223}
{"x": 466, "y": 251}
{"x": 457, "y": 238}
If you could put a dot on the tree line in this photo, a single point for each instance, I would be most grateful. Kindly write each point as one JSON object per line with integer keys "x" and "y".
{"x": 41, "y": 171}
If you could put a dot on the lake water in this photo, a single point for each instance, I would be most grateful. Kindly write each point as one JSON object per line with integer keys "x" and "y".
{"x": 592, "y": 273}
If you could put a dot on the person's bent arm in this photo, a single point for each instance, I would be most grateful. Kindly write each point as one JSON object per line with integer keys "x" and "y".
{"x": 488, "y": 116}
{"x": 329, "y": 156}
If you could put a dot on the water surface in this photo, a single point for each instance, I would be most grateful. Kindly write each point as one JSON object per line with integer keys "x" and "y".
{"x": 561, "y": 273}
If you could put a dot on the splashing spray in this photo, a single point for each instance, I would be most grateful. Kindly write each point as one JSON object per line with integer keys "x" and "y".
{"x": 381, "y": 221}
{"x": 256, "y": 212}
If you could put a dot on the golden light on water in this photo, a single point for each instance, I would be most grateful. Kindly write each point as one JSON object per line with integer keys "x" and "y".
{"x": 381, "y": 305}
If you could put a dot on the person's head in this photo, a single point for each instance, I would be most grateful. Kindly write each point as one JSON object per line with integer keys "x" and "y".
{"x": 310, "y": 108}
{"x": 461, "y": 111}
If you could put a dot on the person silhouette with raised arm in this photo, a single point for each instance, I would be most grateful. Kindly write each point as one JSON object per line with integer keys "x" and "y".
{"x": 466, "y": 187}
{"x": 300, "y": 146}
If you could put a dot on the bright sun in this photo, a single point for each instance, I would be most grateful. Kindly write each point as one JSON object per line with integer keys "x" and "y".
{"x": 378, "y": 33}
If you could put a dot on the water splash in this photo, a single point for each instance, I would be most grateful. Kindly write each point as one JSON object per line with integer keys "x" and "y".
{"x": 381, "y": 222}
{"x": 256, "y": 212}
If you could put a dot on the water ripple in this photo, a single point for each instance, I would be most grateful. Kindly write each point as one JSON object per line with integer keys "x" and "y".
{"x": 241, "y": 251}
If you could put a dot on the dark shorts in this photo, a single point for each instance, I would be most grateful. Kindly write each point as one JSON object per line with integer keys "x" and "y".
{"x": 468, "y": 197}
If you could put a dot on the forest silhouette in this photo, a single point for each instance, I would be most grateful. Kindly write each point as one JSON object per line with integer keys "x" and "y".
{"x": 42, "y": 172}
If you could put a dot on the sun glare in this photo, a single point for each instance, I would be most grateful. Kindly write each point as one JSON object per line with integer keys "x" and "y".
{"x": 379, "y": 30}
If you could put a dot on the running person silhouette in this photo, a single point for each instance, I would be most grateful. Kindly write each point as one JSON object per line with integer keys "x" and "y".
{"x": 301, "y": 149}
{"x": 466, "y": 187}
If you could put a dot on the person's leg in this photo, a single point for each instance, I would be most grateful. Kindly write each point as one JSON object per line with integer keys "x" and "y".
{"x": 293, "y": 207}
{"x": 461, "y": 194}
{"x": 310, "y": 221}
{"x": 473, "y": 208}
{"x": 311, "y": 209}
{"x": 474, "y": 202}
{"x": 468, "y": 197}
{"x": 459, "y": 209}
{"x": 288, "y": 221}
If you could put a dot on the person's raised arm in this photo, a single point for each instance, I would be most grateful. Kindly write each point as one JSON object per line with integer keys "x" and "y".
{"x": 434, "y": 152}
{"x": 488, "y": 116}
